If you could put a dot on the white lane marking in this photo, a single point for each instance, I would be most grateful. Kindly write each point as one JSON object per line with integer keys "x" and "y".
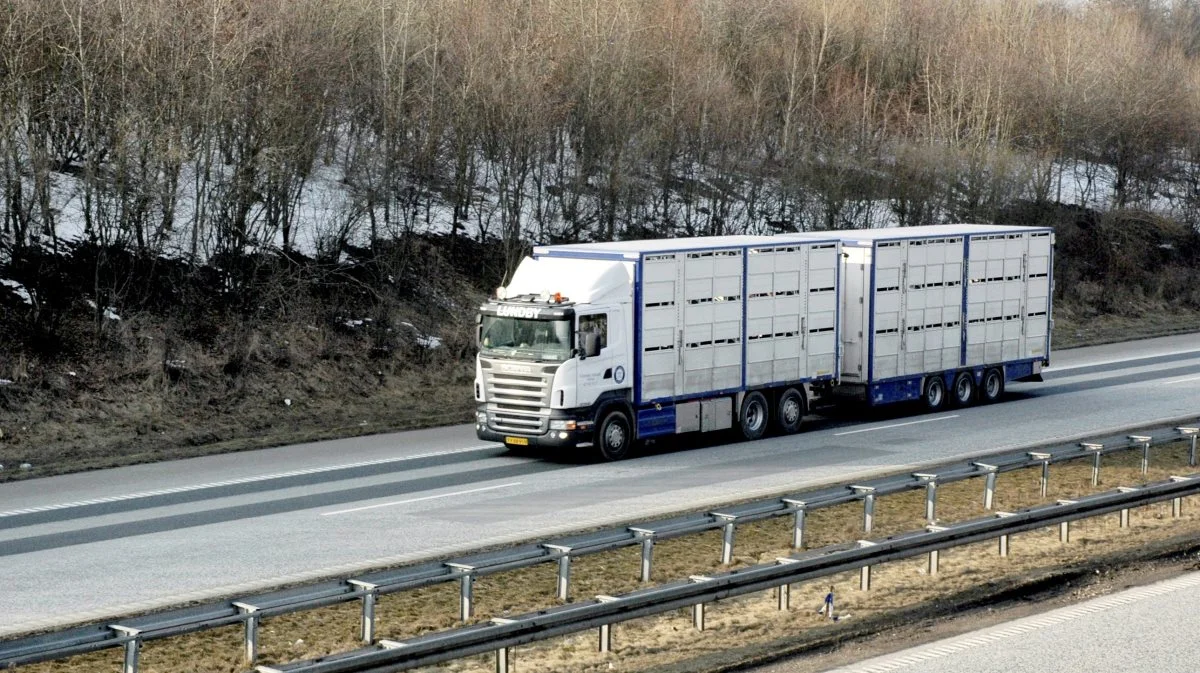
{"x": 428, "y": 497}
{"x": 234, "y": 482}
{"x": 1020, "y": 627}
{"x": 1192, "y": 378}
{"x": 895, "y": 425}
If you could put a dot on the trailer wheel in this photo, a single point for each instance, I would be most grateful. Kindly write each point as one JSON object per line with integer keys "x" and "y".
{"x": 613, "y": 438}
{"x": 789, "y": 412}
{"x": 964, "y": 389}
{"x": 993, "y": 386}
{"x": 935, "y": 393}
{"x": 753, "y": 418}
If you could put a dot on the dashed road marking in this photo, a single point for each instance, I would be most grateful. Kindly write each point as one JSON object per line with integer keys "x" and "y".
{"x": 895, "y": 425}
{"x": 428, "y": 497}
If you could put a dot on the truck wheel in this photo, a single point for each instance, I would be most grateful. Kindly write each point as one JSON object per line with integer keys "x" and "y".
{"x": 935, "y": 393}
{"x": 789, "y": 413}
{"x": 614, "y": 438}
{"x": 753, "y": 418}
{"x": 993, "y": 386}
{"x": 964, "y": 389}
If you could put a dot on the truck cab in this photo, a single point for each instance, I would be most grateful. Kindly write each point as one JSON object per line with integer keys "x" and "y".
{"x": 555, "y": 353}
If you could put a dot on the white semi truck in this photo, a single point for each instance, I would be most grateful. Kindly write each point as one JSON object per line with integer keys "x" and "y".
{"x": 597, "y": 346}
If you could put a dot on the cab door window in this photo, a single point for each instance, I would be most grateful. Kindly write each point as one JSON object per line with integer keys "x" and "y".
{"x": 593, "y": 333}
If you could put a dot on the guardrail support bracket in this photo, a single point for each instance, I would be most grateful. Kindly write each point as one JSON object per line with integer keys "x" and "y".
{"x": 466, "y": 584}
{"x": 930, "y": 495}
{"x": 564, "y": 570}
{"x": 131, "y": 647}
{"x": 647, "y": 538}
{"x": 251, "y": 637}
{"x": 366, "y": 628}
{"x": 727, "y": 532}
{"x": 1192, "y": 432}
{"x": 798, "y": 526}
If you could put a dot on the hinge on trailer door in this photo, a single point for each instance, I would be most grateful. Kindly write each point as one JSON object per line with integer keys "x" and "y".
{"x": 803, "y": 335}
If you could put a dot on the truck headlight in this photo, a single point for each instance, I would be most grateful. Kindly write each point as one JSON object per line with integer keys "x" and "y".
{"x": 481, "y": 417}
{"x": 562, "y": 425}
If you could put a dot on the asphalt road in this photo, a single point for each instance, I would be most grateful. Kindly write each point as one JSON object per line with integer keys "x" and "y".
{"x": 99, "y": 544}
{"x": 1149, "y": 629}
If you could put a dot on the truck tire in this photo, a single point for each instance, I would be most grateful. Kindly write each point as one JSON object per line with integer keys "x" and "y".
{"x": 964, "y": 389}
{"x": 789, "y": 412}
{"x": 754, "y": 416}
{"x": 934, "y": 395}
{"x": 613, "y": 436}
{"x": 993, "y": 386}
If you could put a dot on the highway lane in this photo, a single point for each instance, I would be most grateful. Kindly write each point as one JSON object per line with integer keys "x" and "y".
{"x": 91, "y": 545}
{"x": 1149, "y": 629}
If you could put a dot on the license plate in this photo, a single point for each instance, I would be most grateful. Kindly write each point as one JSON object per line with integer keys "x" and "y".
{"x": 516, "y": 441}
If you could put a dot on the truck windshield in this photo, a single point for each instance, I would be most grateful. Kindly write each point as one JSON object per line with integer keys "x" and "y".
{"x": 525, "y": 339}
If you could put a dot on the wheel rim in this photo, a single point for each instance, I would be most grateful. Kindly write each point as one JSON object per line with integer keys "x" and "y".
{"x": 993, "y": 385}
{"x": 934, "y": 394}
{"x": 614, "y": 436}
{"x": 790, "y": 410}
{"x": 755, "y": 416}
{"x": 964, "y": 389}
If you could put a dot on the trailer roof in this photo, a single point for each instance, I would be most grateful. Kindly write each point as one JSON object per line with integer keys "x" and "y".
{"x": 925, "y": 231}
{"x": 634, "y": 248}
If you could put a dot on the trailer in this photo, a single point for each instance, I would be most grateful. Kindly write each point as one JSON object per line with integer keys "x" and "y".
{"x": 597, "y": 346}
{"x": 947, "y": 314}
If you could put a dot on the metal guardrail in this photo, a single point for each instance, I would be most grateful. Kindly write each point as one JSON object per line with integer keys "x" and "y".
{"x": 131, "y": 632}
{"x": 500, "y": 635}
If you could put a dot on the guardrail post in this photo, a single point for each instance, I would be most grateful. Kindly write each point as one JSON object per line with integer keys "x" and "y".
{"x": 798, "y": 526}
{"x": 1003, "y": 538}
{"x": 505, "y": 657}
{"x": 784, "y": 592}
{"x": 698, "y": 608}
{"x": 366, "y": 628}
{"x": 1145, "y": 442}
{"x": 1045, "y": 458}
{"x": 868, "y": 496}
{"x": 1124, "y": 516}
{"x": 131, "y": 647}
{"x": 1096, "y": 450}
{"x": 466, "y": 583}
{"x": 647, "y": 537}
{"x": 864, "y": 573}
{"x": 564, "y": 569}
{"x": 727, "y": 531}
{"x": 251, "y": 638}
{"x": 605, "y": 644}
{"x": 1177, "y": 503}
{"x": 1064, "y": 527}
{"x": 989, "y": 483}
{"x": 1192, "y": 432}
{"x": 934, "y": 556}
{"x": 930, "y": 495}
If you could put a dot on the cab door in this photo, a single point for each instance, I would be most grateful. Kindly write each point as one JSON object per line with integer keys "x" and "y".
{"x": 601, "y": 368}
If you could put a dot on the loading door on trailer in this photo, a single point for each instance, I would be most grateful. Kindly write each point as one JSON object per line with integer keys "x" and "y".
{"x": 691, "y": 323}
{"x": 1037, "y": 295}
{"x": 1007, "y": 297}
{"x": 791, "y": 310}
{"x": 917, "y": 306}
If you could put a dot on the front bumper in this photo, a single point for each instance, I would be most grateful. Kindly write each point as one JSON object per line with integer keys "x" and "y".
{"x": 579, "y": 437}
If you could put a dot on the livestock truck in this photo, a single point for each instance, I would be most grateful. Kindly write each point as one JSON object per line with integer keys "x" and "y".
{"x": 597, "y": 346}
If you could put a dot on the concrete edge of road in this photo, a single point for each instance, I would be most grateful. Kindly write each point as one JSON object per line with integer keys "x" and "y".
{"x": 334, "y": 572}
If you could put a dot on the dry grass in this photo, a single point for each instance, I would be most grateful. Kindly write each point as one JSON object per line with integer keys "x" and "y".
{"x": 742, "y": 627}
